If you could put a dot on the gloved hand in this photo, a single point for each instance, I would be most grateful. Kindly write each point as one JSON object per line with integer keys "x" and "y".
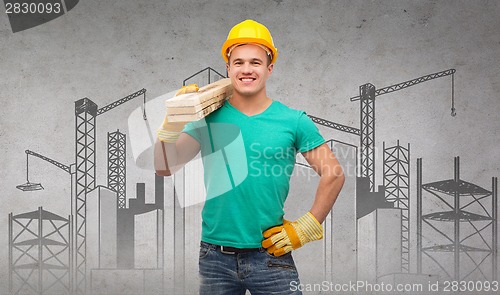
{"x": 282, "y": 239}
{"x": 170, "y": 131}
{"x": 187, "y": 89}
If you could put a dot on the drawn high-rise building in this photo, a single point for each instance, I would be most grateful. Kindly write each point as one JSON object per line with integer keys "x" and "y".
{"x": 101, "y": 228}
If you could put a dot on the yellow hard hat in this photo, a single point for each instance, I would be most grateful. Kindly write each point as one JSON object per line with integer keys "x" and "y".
{"x": 249, "y": 31}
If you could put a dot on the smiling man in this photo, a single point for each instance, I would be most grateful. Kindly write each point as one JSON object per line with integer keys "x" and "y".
{"x": 246, "y": 244}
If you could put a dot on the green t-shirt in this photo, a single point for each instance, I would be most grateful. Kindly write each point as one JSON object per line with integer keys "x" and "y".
{"x": 248, "y": 161}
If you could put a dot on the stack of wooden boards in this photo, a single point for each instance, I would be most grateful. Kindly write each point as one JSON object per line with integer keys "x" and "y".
{"x": 197, "y": 105}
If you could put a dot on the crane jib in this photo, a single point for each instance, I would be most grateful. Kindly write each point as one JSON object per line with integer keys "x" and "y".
{"x": 54, "y": 162}
{"x": 409, "y": 83}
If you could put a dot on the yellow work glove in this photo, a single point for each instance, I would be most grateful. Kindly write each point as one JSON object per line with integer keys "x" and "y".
{"x": 187, "y": 89}
{"x": 170, "y": 131}
{"x": 282, "y": 239}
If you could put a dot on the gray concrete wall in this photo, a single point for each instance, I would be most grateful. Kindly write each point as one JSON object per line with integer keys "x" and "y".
{"x": 106, "y": 50}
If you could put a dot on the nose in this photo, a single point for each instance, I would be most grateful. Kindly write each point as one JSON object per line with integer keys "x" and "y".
{"x": 247, "y": 68}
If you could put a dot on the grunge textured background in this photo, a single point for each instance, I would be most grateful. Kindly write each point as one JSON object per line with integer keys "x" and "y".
{"x": 106, "y": 50}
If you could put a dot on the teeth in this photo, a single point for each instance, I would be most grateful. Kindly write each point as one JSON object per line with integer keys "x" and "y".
{"x": 247, "y": 79}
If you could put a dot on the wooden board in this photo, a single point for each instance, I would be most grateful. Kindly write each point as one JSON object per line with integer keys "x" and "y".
{"x": 195, "y": 109}
{"x": 197, "y": 105}
{"x": 196, "y": 116}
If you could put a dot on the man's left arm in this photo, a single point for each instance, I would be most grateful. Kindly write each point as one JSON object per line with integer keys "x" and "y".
{"x": 284, "y": 238}
{"x": 323, "y": 161}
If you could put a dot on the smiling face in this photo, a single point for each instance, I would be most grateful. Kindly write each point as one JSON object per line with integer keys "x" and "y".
{"x": 248, "y": 69}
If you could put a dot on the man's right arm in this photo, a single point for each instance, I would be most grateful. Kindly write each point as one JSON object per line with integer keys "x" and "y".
{"x": 173, "y": 149}
{"x": 170, "y": 157}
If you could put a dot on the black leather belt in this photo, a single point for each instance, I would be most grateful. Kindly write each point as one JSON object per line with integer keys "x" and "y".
{"x": 232, "y": 250}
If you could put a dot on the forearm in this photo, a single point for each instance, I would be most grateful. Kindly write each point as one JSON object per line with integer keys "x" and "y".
{"x": 165, "y": 158}
{"x": 171, "y": 157}
{"x": 170, "y": 153}
{"x": 328, "y": 190}
{"x": 282, "y": 239}
{"x": 307, "y": 228}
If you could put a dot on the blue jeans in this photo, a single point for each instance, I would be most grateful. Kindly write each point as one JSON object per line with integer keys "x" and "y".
{"x": 259, "y": 272}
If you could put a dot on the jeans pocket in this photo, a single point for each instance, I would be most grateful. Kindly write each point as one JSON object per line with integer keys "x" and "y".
{"x": 284, "y": 261}
{"x": 204, "y": 250}
{"x": 280, "y": 264}
{"x": 282, "y": 256}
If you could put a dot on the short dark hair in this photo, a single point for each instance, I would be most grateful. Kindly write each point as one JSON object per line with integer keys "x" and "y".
{"x": 269, "y": 59}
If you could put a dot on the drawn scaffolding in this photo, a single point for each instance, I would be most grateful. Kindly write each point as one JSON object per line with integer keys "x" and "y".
{"x": 458, "y": 221}
{"x": 116, "y": 166}
{"x": 40, "y": 253}
{"x": 397, "y": 189}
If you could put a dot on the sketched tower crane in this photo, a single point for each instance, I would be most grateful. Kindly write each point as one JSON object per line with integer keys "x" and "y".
{"x": 29, "y": 186}
{"x": 367, "y": 94}
{"x": 86, "y": 112}
{"x": 71, "y": 169}
{"x": 396, "y": 171}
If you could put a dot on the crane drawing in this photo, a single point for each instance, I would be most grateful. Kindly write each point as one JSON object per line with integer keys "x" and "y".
{"x": 367, "y": 94}
{"x": 86, "y": 112}
{"x": 396, "y": 193}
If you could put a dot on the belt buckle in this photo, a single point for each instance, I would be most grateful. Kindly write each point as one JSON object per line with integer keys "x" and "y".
{"x": 226, "y": 252}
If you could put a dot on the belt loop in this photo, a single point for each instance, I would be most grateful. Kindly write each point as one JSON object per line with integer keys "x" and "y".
{"x": 208, "y": 245}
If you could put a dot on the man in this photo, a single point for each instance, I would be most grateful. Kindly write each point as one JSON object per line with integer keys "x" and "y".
{"x": 246, "y": 244}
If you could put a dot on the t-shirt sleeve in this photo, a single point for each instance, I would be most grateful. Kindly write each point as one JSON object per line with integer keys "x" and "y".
{"x": 193, "y": 129}
{"x": 307, "y": 134}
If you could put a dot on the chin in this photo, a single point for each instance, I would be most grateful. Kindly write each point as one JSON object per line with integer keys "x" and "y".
{"x": 246, "y": 93}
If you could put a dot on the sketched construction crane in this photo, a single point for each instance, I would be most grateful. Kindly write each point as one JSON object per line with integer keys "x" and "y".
{"x": 86, "y": 112}
{"x": 367, "y": 94}
{"x": 29, "y": 186}
{"x": 367, "y": 130}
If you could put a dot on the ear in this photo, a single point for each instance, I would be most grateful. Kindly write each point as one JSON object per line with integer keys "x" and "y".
{"x": 228, "y": 70}
{"x": 270, "y": 68}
